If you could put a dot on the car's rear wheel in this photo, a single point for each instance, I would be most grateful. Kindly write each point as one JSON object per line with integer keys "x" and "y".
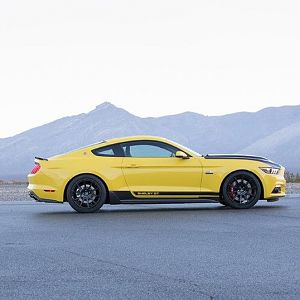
{"x": 86, "y": 193}
{"x": 241, "y": 190}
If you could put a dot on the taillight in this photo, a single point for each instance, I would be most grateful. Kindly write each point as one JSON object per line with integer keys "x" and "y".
{"x": 36, "y": 168}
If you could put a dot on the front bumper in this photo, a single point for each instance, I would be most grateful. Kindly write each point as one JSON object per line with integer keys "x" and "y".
{"x": 277, "y": 190}
{"x": 274, "y": 185}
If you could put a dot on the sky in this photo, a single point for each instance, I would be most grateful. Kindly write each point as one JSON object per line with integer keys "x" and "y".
{"x": 152, "y": 58}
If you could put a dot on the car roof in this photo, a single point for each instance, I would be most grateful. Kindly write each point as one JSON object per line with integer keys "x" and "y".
{"x": 136, "y": 138}
{"x": 150, "y": 138}
{"x": 127, "y": 139}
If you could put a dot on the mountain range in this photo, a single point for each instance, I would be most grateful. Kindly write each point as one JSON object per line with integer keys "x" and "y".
{"x": 273, "y": 132}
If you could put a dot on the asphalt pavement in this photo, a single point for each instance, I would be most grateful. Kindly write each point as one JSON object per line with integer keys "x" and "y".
{"x": 187, "y": 251}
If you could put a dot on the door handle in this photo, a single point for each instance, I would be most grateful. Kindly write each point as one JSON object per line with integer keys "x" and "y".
{"x": 132, "y": 166}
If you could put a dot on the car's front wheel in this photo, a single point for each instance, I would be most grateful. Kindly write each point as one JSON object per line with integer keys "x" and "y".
{"x": 221, "y": 201}
{"x": 241, "y": 190}
{"x": 86, "y": 193}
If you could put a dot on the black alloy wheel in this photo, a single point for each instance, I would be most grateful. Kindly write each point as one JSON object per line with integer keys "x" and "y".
{"x": 86, "y": 193}
{"x": 241, "y": 190}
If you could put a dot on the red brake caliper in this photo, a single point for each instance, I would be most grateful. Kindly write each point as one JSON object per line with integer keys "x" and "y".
{"x": 231, "y": 191}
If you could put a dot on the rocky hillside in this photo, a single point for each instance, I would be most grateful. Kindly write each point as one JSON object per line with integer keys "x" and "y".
{"x": 271, "y": 132}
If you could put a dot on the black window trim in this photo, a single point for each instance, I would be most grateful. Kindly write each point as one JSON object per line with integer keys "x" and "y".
{"x": 116, "y": 148}
{"x": 154, "y": 143}
{"x": 119, "y": 152}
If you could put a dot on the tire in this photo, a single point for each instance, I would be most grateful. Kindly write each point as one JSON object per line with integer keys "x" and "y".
{"x": 221, "y": 201}
{"x": 86, "y": 193}
{"x": 241, "y": 190}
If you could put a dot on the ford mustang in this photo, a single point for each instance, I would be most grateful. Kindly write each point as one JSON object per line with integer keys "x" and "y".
{"x": 145, "y": 169}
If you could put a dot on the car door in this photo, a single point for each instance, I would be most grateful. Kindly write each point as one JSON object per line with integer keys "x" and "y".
{"x": 151, "y": 170}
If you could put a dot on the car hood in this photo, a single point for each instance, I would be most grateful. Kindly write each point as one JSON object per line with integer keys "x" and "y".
{"x": 245, "y": 157}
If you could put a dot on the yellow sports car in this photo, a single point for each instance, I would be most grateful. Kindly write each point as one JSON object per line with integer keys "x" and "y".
{"x": 145, "y": 169}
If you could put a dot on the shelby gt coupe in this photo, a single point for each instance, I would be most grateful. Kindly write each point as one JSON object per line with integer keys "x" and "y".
{"x": 145, "y": 169}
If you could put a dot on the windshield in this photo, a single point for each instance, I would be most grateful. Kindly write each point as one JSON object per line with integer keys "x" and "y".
{"x": 187, "y": 149}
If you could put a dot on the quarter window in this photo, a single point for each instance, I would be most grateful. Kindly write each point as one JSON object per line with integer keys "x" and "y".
{"x": 104, "y": 151}
{"x": 109, "y": 151}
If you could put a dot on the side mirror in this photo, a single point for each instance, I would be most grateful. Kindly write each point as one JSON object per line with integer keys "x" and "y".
{"x": 181, "y": 154}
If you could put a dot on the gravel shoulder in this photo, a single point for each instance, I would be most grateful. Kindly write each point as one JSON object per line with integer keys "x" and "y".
{"x": 14, "y": 192}
{"x": 18, "y": 191}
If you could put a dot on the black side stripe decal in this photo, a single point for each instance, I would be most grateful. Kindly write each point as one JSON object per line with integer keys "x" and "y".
{"x": 126, "y": 195}
{"x": 176, "y": 194}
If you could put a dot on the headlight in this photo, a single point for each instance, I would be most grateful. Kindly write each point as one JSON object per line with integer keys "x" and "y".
{"x": 270, "y": 170}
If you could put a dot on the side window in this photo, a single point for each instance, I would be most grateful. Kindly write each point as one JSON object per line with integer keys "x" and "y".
{"x": 109, "y": 151}
{"x": 148, "y": 149}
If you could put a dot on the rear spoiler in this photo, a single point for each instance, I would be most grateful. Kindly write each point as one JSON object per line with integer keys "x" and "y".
{"x": 40, "y": 158}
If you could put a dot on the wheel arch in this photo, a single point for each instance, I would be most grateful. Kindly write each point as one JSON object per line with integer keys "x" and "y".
{"x": 90, "y": 174}
{"x": 262, "y": 193}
